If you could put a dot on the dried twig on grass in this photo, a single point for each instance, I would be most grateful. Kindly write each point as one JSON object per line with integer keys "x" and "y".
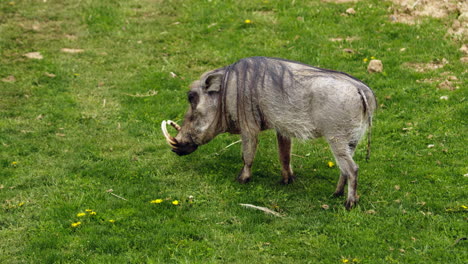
{"x": 295, "y": 155}
{"x": 226, "y": 147}
{"x": 111, "y": 192}
{"x": 233, "y": 143}
{"x": 264, "y": 209}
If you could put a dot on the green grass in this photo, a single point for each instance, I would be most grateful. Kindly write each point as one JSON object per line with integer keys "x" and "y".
{"x": 66, "y": 140}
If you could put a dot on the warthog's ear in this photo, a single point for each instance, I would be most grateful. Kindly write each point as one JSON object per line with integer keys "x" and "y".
{"x": 213, "y": 81}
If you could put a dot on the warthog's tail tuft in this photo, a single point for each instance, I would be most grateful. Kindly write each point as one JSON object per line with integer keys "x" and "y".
{"x": 368, "y": 113}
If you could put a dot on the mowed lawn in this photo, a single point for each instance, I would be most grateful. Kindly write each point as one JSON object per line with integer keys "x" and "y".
{"x": 87, "y": 177}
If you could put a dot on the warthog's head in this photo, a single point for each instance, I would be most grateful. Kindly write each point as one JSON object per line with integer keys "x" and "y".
{"x": 201, "y": 122}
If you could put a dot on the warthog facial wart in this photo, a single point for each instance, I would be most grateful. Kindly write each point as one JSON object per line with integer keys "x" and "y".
{"x": 295, "y": 99}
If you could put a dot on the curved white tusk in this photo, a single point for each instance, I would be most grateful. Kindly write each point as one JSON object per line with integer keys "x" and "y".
{"x": 169, "y": 139}
{"x": 174, "y": 125}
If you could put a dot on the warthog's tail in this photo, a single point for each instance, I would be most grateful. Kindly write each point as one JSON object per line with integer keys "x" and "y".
{"x": 369, "y": 134}
{"x": 368, "y": 112}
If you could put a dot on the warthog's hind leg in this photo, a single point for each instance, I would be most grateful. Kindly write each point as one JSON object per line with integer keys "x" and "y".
{"x": 348, "y": 171}
{"x": 343, "y": 177}
{"x": 284, "y": 149}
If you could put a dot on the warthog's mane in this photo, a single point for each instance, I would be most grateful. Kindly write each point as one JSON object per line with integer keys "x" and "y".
{"x": 252, "y": 76}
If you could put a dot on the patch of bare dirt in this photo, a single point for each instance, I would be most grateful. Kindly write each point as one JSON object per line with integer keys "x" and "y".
{"x": 424, "y": 67}
{"x": 459, "y": 28}
{"x": 34, "y": 55}
{"x": 464, "y": 49}
{"x": 411, "y": 11}
{"x": 446, "y": 81}
{"x": 9, "y": 79}
{"x": 403, "y": 18}
{"x": 408, "y": 11}
{"x": 447, "y": 85}
{"x": 430, "y": 80}
{"x": 72, "y": 51}
{"x": 347, "y": 39}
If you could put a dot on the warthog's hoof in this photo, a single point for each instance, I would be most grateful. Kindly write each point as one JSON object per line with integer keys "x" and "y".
{"x": 242, "y": 180}
{"x": 244, "y": 175}
{"x": 350, "y": 203}
{"x": 288, "y": 180}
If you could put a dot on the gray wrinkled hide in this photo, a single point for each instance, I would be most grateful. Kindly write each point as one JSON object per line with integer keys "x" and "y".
{"x": 295, "y": 99}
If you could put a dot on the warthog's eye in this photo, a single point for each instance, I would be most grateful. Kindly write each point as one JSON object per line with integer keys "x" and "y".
{"x": 193, "y": 98}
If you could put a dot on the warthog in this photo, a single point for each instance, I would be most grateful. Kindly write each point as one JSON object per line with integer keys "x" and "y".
{"x": 295, "y": 99}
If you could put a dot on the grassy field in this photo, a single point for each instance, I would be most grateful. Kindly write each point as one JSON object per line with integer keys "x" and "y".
{"x": 86, "y": 176}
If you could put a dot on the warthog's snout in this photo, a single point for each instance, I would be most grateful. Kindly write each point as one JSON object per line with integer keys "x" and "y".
{"x": 180, "y": 148}
{"x": 184, "y": 149}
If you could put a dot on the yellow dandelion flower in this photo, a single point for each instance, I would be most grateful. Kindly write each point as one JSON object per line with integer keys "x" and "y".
{"x": 345, "y": 260}
{"x": 88, "y": 210}
{"x": 14, "y": 163}
{"x": 330, "y": 164}
{"x": 81, "y": 214}
{"x": 248, "y": 21}
{"x": 355, "y": 260}
{"x": 21, "y": 204}
{"x": 92, "y": 213}
{"x": 112, "y": 221}
{"x": 365, "y": 60}
{"x": 175, "y": 202}
{"x": 77, "y": 224}
{"x": 372, "y": 58}
{"x": 157, "y": 201}
{"x": 464, "y": 207}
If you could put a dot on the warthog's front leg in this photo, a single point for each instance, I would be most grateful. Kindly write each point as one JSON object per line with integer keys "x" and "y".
{"x": 249, "y": 147}
{"x": 284, "y": 148}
